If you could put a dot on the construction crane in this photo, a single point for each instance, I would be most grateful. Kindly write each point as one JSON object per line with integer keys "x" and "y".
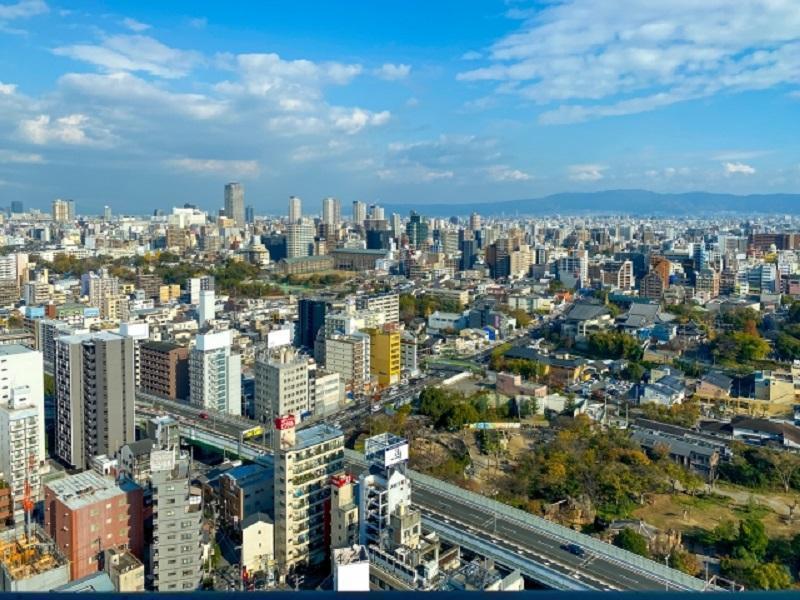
{"x": 27, "y": 497}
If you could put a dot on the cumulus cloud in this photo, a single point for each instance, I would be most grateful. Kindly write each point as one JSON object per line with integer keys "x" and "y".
{"x": 353, "y": 120}
{"x": 738, "y": 168}
{"x": 586, "y": 172}
{"x": 233, "y": 168}
{"x": 392, "y": 72}
{"x": 134, "y": 53}
{"x": 23, "y": 9}
{"x": 594, "y": 60}
{"x": 74, "y": 130}
{"x": 6, "y": 89}
{"x": 135, "y": 25}
{"x": 504, "y": 173}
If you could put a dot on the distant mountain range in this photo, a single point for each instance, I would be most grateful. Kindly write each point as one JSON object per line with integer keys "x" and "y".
{"x": 616, "y": 202}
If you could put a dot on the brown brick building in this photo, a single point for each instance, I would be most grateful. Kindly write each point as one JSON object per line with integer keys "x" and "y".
{"x": 164, "y": 370}
{"x": 86, "y": 514}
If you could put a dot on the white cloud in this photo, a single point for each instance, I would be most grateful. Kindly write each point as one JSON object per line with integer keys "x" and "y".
{"x": 233, "y": 168}
{"x": 75, "y": 130}
{"x": 14, "y": 157}
{"x": 586, "y": 172}
{"x": 738, "y": 168}
{"x": 593, "y": 59}
{"x": 416, "y": 174}
{"x": 353, "y": 120}
{"x": 503, "y": 173}
{"x": 135, "y": 25}
{"x": 738, "y": 155}
{"x": 134, "y": 53}
{"x": 7, "y": 89}
{"x": 126, "y": 89}
{"x": 23, "y": 9}
{"x": 471, "y": 55}
{"x": 392, "y": 72}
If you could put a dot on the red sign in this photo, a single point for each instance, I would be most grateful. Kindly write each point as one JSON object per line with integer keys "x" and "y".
{"x": 286, "y": 422}
{"x": 341, "y": 480}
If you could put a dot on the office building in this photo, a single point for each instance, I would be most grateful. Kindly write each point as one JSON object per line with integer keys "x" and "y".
{"x": 175, "y": 556}
{"x": 87, "y": 514}
{"x": 305, "y": 461}
{"x": 94, "y": 381}
{"x": 416, "y": 229}
{"x": 234, "y": 203}
{"x": 215, "y": 374}
{"x": 331, "y": 211}
{"x": 249, "y": 214}
{"x": 474, "y": 222}
{"x": 295, "y": 209}
{"x": 164, "y": 370}
{"x": 281, "y": 385}
{"x": 344, "y": 512}
{"x": 16, "y": 207}
{"x": 107, "y": 214}
{"x": 311, "y": 313}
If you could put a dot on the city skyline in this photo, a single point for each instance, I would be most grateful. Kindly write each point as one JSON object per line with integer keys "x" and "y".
{"x": 492, "y": 102}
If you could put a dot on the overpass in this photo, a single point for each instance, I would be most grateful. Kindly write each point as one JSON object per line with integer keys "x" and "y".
{"x": 512, "y": 537}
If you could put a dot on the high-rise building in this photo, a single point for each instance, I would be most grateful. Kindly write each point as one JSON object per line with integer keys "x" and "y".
{"x": 281, "y": 385}
{"x": 295, "y": 209}
{"x": 304, "y": 461}
{"x": 16, "y": 207}
{"x": 63, "y": 211}
{"x": 106, "y": 213}
{"x": 375, "y": 212}
{"x": 94, "y": 381}
{"x": 331, "y": 211}
{"x": 359, "y": 212}
{"x": 198, "y": 284}
{"x": 311, "y": 314}
{"x": 250, "y": 214}
{"x": 234, "y": 203}
{"x": 474, "y": 222}
{"x": 396, "y": 225}
{"x": 384, "y": 354}
{"x": 206, "y": 310}
{"x": 344, "y": 512}
{"x": 299, "y": 239}
{"x": 349, "y": 356}
{"x": 416, "y": 229}
{"x": 215, "y": 374}
{"x": 21, "y": 451}
{"x": 388, "y": 304}
{"x": 164, "y": 370}
{"x": 86, "y": 514}
{"x": 175, "y": 551}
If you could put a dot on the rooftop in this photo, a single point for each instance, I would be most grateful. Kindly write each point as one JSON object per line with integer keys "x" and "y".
{"x": 12, "y": 349}
{"x": 86, "y": 488}
{"x": 318, "y": 434}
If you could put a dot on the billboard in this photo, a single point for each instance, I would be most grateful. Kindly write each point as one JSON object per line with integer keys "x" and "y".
{"x": 286, "y": 422}
{"x": 395, "y": 454}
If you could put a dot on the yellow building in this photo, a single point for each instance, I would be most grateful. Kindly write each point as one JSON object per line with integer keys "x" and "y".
{"x": 384, "y": 354}
{"x": 167, "y": 293}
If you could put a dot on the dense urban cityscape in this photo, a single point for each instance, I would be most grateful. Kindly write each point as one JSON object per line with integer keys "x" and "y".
{"x": 361, "y": 400}
{"x": 497, "y": 296}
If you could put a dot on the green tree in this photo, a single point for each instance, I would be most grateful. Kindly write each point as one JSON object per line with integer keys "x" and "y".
{"x": 633, "y": 541}
{"x": 752, "y": 540}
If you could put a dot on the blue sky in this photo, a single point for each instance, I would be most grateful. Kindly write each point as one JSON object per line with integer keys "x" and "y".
{"x": 140, "y": 107}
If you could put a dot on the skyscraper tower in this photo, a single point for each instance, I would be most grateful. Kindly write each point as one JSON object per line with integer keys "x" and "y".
{"x": 331, "y": 211}
{"x": 359, "y": 212}
{"x": 474, "y": 221}
{"x": 234, "y": 203}
{"x": 295, "y": 209}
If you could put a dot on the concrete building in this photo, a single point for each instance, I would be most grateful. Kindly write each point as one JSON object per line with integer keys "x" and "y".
{"x": 388, "y": 304}
{"x": 31, "y": 563}
{"x": 94, "y": 404}
{"x": 344, "y": 512}
{"x": 258, "y": 544}
{"x": 295, "y": 209}
{"x": 311, "y": 317}
{"x": 86, "y": 514}
{"x": 197, "y": 285}
{"x": 359, "y": 212}
{"x": 281, "y": 384}
{"x": 384, "y": 354}
{"x": 299, "y": 239}
{"x": 63, "y": 211}
{"x": 164, "y": 370}
{"x": 206, "y": 310}
{"x": 234, "y": 203}
{"x": 325, "y": 391}
{"x": 215, "y": 374}
{"x": 175, "y": 557}
{"x": 125, "y": 570}
{"x": 22, "y": 426}
{"x": 331, "y": 211}
{"x": 304, "y": 463}
{"x": 351, "y": 569}
{"x": 244, "y": 491}
{"x": 349, "y": 355}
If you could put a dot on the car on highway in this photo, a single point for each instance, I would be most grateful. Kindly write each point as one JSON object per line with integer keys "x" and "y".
{"x": 203, "y": 415}
{"x": 574, "y": 549}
